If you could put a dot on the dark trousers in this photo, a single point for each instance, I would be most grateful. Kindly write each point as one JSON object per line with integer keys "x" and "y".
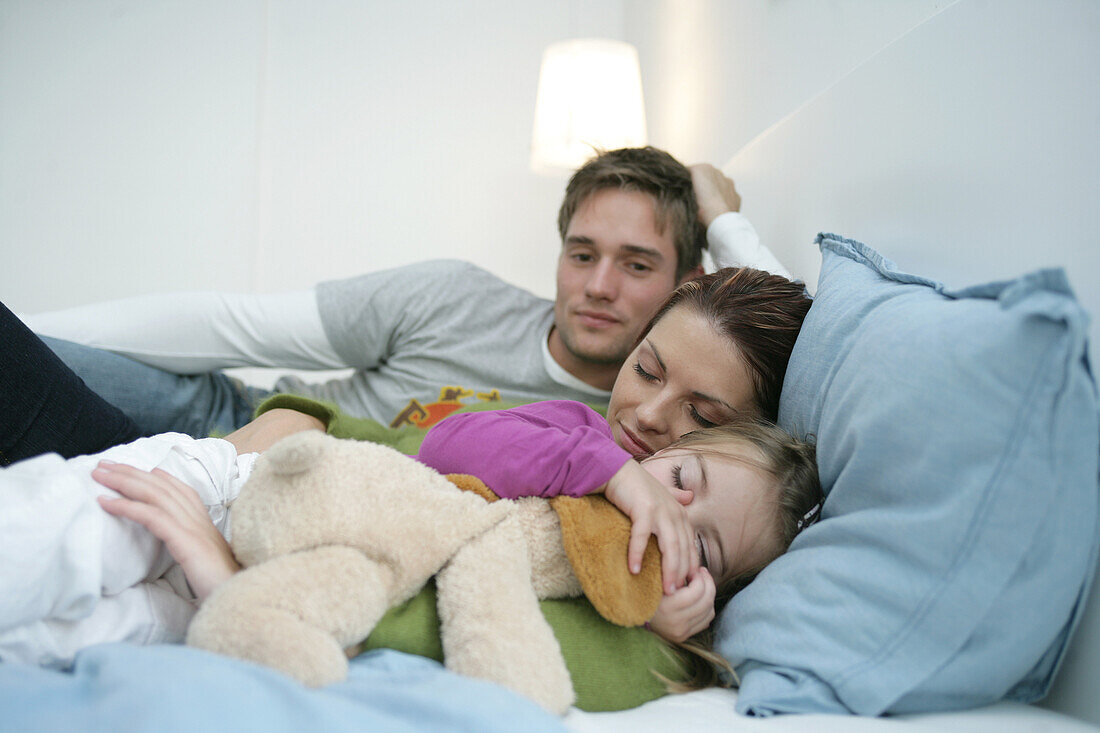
{"x": 45, "y": 407}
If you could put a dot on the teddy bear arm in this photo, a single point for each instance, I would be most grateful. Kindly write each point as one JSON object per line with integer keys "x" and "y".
{"x": 296, "y": 613}
{"x": 491, "y": 624}
{"x": 551, "y": 573}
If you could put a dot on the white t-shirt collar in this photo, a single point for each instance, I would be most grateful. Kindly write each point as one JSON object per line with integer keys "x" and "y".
{"x": 558, "y": 374}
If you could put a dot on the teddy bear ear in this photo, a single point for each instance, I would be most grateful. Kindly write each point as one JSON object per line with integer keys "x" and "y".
{"x": 596, "y": 536}
{"x": 296, "y": 453}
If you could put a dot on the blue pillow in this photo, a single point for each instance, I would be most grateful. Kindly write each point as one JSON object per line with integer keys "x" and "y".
{"x": 959, "y": 449}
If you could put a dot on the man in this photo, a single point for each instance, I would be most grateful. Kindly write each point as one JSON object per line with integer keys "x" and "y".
{"x": 426, "y": 339}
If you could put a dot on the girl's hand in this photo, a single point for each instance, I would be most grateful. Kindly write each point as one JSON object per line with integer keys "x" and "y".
{"x": 174, "y": 514}
{"x": 687, "y": 611}
{"x": 654, "y": 510}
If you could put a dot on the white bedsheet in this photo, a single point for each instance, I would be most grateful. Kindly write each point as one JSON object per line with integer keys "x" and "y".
{"x": 712, "y": 710}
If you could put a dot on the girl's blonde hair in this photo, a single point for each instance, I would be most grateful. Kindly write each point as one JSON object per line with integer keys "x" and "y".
{"x": 797, "y": 498}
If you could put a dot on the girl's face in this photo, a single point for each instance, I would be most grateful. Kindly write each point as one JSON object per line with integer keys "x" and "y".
{"x": 682, "y": 376}
{"x": 730, "y": 510}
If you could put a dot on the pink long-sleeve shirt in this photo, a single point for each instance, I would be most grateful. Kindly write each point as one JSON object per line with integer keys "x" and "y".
{"x": 542, "y": 449}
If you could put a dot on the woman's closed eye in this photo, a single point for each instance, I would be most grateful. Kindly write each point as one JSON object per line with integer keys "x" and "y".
{"x": 702, "y": 421}
{"x": 643, "y": 373}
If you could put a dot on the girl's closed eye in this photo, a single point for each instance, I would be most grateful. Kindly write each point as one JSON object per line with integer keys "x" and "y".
{"x": 701, "y": 546}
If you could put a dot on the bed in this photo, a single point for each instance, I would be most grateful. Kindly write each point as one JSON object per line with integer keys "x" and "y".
{"x": 927, "y": 180}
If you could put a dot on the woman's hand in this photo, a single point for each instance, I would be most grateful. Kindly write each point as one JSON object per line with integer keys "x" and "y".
{"x": 687, "y": 611}
{"x": 271, "y": 427}
{"x": 174, "y": 514}
{"x": 653, "y": 509}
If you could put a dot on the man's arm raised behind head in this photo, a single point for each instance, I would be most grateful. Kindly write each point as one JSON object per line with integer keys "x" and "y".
{"x": 731, "y": 239}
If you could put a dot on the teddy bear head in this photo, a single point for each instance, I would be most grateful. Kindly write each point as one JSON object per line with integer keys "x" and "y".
{"x": 321, "y": 491}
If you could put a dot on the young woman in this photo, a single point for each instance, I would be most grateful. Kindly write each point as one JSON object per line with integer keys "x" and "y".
{"x": 716, "y": 350}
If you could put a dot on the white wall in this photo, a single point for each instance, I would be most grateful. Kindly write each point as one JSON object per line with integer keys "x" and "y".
{"x": 731, "y": 82}
{"x": 719, "y": 73}
{"x": 127, "y": 144}
{"x": 262, "y": 145}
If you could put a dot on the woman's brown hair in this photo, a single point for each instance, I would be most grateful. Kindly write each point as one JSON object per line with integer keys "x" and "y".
{"x": 759, "y": 312}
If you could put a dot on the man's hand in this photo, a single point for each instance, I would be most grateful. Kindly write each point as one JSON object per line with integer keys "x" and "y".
{"x": 174, "y": 514}
{"x": 654, "y": 510}
{"x": 714, "y": 192}
{"x": 687, "y": 611}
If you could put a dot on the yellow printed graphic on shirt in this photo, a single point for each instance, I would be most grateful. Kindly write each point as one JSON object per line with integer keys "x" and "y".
{"x": 450, "y": 399}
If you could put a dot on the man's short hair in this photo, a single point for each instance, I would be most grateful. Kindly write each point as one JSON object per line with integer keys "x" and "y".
{"x": 651, "y": 171}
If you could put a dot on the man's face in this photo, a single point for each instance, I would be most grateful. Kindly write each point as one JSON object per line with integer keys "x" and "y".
{"x": 615, "y": 270}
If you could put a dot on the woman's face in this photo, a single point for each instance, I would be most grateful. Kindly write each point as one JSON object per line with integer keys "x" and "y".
{"x": 684, "y": 375}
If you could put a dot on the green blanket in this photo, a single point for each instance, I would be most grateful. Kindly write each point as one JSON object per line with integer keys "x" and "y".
{"x": 612, "y": 667}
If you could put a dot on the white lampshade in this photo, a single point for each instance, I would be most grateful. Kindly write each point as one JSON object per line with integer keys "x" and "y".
{"x": 590, "y": 96}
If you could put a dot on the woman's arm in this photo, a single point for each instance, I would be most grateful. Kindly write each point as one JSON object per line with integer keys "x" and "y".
{"x": 271, "y": 427}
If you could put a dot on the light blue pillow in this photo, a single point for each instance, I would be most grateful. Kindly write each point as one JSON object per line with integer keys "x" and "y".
{"x": 959, "y": 448}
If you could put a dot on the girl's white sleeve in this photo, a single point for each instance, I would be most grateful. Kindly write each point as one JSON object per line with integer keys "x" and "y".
{"x": 65, "y": 561}
{"x": 194, "y": 332}
{"x": 732, "y": 242}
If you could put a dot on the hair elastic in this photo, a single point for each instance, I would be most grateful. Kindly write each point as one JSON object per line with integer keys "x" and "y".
{"x": 810, "y": 517}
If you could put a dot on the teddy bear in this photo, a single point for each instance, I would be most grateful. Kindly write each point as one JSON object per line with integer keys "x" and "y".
{"x": 332, "y": 533}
